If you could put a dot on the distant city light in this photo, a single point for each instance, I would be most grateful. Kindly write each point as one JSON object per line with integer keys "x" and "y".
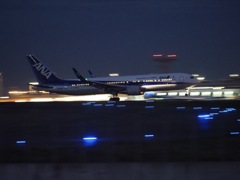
{"x": 33, "y": 83}
{"x": 4, "y": 97}
{"x": 17, "y": 92}
{"x": 200, "y": 78}
{"x": 113, "y": 74}
{"x": 195, "y": 75}
{"x": 234, "y": 75}
{"x": 171, "y": 55}
{"x": 157, "y": 55}
{"x": 164, "y": 58}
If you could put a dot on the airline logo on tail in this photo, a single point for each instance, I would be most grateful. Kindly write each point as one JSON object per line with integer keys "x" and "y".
{"x": 43, "y": 70}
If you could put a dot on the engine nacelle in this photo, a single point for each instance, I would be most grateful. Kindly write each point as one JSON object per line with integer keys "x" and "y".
{"x": 150, "y": 94}
{"x": 133, "y": 90}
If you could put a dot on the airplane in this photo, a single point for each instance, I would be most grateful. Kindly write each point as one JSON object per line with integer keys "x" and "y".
{"x": 130, "y": 85}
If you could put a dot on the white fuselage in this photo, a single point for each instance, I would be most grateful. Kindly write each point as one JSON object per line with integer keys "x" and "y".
{"x": 133, "y": 85}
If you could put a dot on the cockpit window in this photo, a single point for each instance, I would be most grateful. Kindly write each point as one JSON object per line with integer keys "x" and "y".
{"x": 191, "y": 77}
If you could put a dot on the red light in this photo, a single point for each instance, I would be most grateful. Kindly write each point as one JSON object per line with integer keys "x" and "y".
{"x": 172, "y": 55}
{"x": 157, "y": 55}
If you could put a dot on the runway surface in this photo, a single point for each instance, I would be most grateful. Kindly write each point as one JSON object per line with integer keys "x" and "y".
{"x": 127, "y": 131}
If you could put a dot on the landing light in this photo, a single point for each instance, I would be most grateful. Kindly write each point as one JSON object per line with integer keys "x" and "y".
{"x": 33, "y": 83}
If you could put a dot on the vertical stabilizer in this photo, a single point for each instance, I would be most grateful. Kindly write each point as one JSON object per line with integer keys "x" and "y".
{"x": 41, "y": 72}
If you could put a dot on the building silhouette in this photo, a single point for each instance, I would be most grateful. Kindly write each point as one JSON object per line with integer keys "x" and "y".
{"x": 1, "y": 84}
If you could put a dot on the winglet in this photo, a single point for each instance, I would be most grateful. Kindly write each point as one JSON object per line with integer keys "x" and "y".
{"x": 79, "y": 76}
{"x": 90, "y": 73}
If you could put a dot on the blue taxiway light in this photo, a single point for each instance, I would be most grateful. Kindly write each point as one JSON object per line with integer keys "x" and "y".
{"x": 89, "y": 141}
{"x": 228, "y": 110}
{"x": 148, "y": 135}
{"x": 20, "y": 142}
{"x": 197, "y": 108}
{"x": 231, "y": 109}
{"x": 111, "y": 102}
{"x": 224, "y": 111}
{"x": 209, "y": 118}
{"x": 204, "y": 116}
{"x": 149, "y": 101}
{"x": 234, "y": 133}
{"x": 97, "y": 105}
{"x": 86, "y": 104}
{"x": 215, "y": 108}
{"x": 212, "y": 114}
{"x": 181, "y": 107}
{"x": 149, "y": 107}
{"x": 121, "y": 105}
{"x": 89, "y": 138}
{"x": 109, "y": 105}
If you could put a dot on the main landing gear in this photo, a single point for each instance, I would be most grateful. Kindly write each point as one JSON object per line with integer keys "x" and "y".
{"x": 115, "y": 97}
{"x": 187, "y": 92}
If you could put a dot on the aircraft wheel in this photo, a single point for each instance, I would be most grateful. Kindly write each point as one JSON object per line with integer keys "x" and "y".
{"x": 114, "y": 99}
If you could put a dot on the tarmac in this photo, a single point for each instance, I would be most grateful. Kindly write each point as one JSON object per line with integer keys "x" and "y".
{"x": 126, "y": 131}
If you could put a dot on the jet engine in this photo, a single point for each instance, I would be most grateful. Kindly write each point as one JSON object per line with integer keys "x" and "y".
{"x": 133, "y": 90}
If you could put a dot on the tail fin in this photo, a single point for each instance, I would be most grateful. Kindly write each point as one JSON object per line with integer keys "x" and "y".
{"x": 91, "y": 74}
{"x": 41, "y": 72}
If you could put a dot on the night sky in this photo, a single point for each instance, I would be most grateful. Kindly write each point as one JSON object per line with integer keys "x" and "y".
{"x": 118, "y": 36}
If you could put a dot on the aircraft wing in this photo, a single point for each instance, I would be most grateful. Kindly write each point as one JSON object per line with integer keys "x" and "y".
{"x": 106, "y": 87}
